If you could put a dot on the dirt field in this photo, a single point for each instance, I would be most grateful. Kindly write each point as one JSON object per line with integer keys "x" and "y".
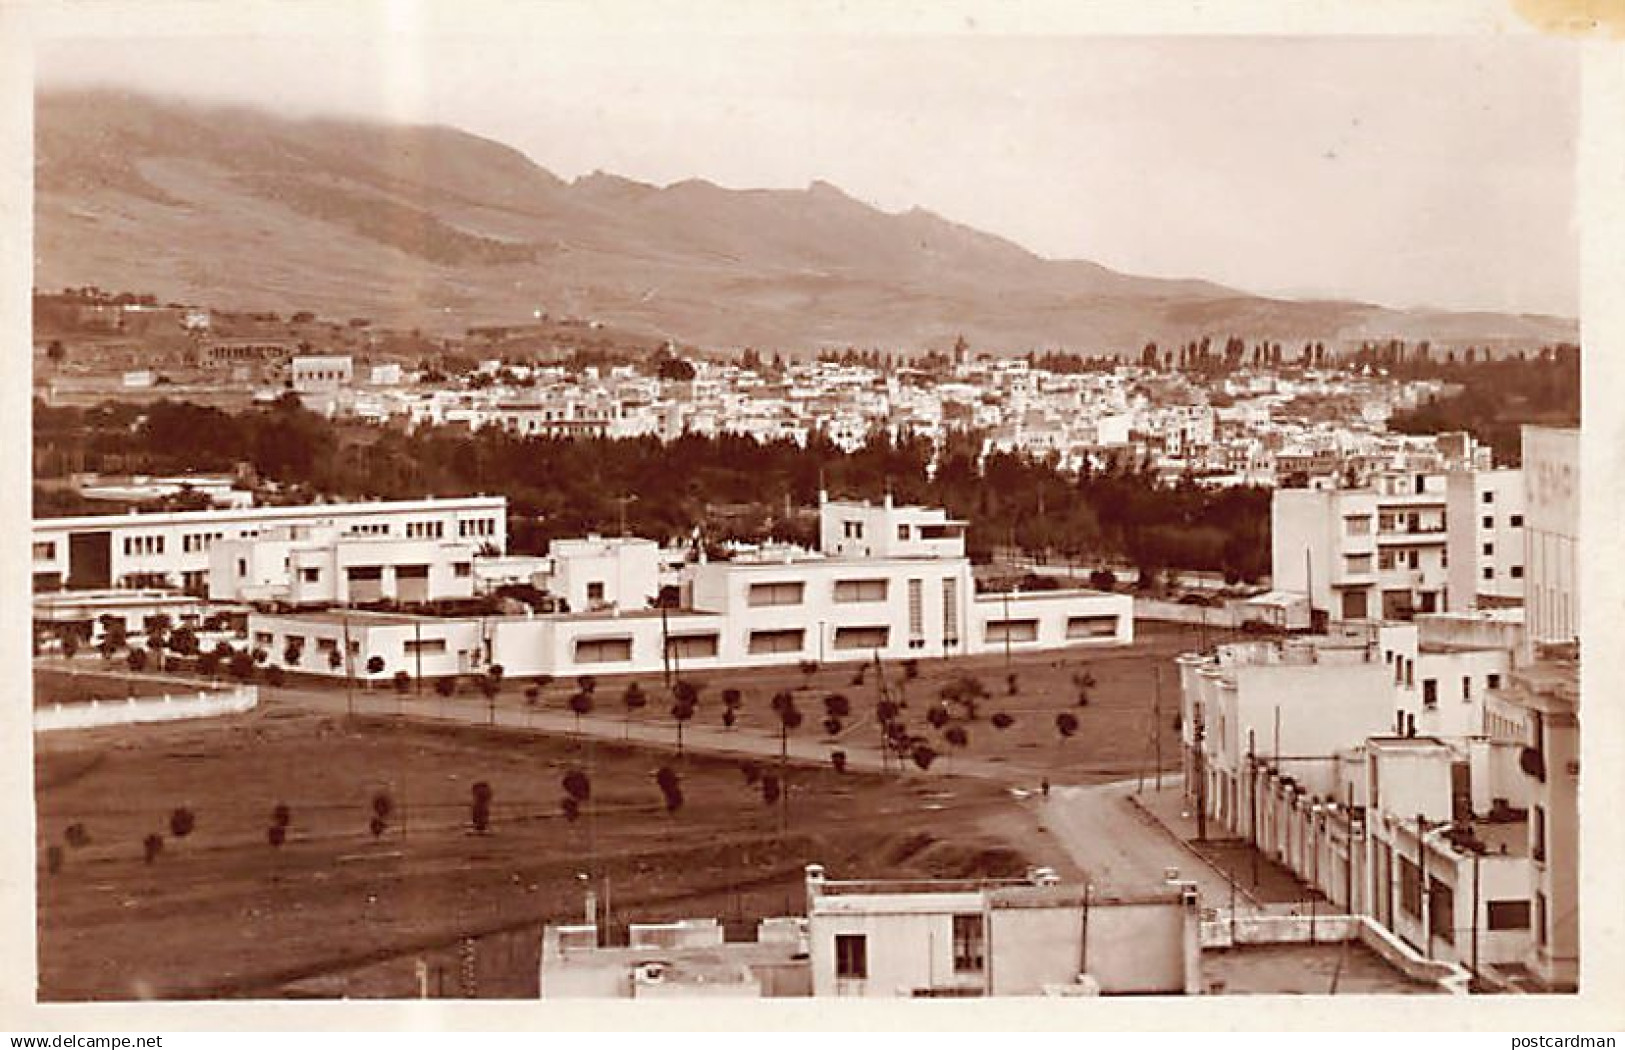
{"x": 1113, "y": 740}
{"x": 221, "y": 912}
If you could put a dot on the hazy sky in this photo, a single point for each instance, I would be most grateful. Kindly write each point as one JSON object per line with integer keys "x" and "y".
{"x": 1399, "y": 170}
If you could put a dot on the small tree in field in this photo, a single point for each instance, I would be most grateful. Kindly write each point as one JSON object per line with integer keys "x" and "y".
{"x": 634, "y": 699}
{"x": 181, "y": 822}
{"x": 1001, "y": 720}
{"x": 808, "y": 669}
{"x": 335, "y": 659}
{"x": 732, "y": 699}
{"x": 274, "y": 676}
{"x": 480, "y": 810}
{"x": 446, "y": 686}
{"x": 838, "y": 760}
{"x": 137, "y": 659}
{"x": 151, "y": 846}
{"x": 403, "y": 682}
{"x": 375, "y": 666}
{"x": 293, "y": 653}
{"x": 1066, "y": 723}
{"x": 382, "y": 806}
{"x": 580, "y": 704}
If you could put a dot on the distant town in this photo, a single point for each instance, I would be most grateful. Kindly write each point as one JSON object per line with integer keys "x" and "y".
{"x": 545, "y": 660}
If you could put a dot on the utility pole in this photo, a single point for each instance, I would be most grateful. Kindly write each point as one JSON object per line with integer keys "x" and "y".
{"x": 1007, "y": 627}
{"x": 1156, "y": 720}
{"x": 1252, "y": 802}
{"x": 349, "y": 670}
{"x": 665, "y": 644}
{"x": 1201, "y": 786}
{"x": 1422, "y": 901}
{"x": 417, "y": 651}
{"x": 1475, "y": 919}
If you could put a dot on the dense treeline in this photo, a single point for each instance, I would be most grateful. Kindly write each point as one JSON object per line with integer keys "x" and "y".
{"x": 721, "y": 488}
{"x": 1497, "y": 397}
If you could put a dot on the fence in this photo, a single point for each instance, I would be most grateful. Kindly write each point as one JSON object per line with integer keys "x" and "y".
{"x": 1220, "y": 616}
{"x": 96, "y": 713}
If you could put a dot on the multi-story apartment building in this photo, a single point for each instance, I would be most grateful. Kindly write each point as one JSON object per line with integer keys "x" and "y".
{"x": 1551, "y": 470}
{"x": 172, "y": 549}
{"x": 1485, "y": 524}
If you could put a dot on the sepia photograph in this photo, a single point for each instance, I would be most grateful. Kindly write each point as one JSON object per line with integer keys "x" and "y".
{"x": 538, "y": 511}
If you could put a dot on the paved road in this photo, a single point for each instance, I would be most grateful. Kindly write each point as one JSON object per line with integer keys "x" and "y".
{"x": 1124, "y": 849}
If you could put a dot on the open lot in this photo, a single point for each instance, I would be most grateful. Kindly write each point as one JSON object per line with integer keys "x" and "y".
{"x": 1114, "y": 738}
{"x": 220, "y": 912}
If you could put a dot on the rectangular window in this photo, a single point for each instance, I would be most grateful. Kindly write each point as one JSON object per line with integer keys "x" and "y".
{"x": 1517, "y": 521}
{"x": 1489, "y": 521}
{"x": 1492, "y": 680}
{"x": 902, "y": 532}
{"x": 1537, "y": 833}
{"x": 426, "y": 647}
{"x": 1091, "y": 626}
{"x": 1357, "y": 526}
{"x": 359, "y": 573}
{"x": 462, "y": 570}
{"x": 1385, "y": 560}
{"x": 969, "y": 944}
{"x": 775, "y": 593}
{"x": 851, "y": 956}
{"x": 785, "y": 641}
{"x": 1489, "y": 550}
{"x": 411, "y": 572}
{"x": 1000, "y": 631}
{"x": 1517, "y": 572}
{"x": 1466, "y": 687}
{"x": 692, "y": 646}
{"x": 44, "y": 551}
{"x": 861, "y": 637}
{"x": 1430, "y": 692}
{"x": 595, "y": 591}
{"x": 1540, "y": 919}
{"x": 310, "y": 575}
{"x": 1357, "y": 563}
{"x": 603, "y": 650}
{"x": 1489, "y": 497}
{"x": 1410, "y": 887}
{"x": 950, "y": 611}
{"x": 1489, "y": 572}
{"x": 1507, "y": 915}
{"x": 860, "y": 590}
{"x": 1415, "y": 559}
{"x": 1441, "y": 911}
{"x": 326, "y": 645}
{"x": 916, "y": 609}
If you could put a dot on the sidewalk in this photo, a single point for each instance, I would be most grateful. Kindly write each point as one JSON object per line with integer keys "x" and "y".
{"x": 1255, "y": 876}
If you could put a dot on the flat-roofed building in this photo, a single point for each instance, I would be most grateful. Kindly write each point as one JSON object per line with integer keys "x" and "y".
{"x": 171, "y": 549}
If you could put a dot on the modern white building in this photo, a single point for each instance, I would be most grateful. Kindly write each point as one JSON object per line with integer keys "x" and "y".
{"x": 171, "y": 550}
{"x": 787, "y": 605}
{"x": 1551, "y": 471}
{"x": 1485, "y": 525}
{"x": 302, "y": 565}
{"x": 876, "y": 939}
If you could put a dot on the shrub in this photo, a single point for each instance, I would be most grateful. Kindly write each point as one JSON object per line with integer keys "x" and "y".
{"x": 181, "y": 822}
{"x": 151, "y": 846}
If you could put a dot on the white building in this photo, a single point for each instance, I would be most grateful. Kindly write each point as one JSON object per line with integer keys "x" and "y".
{"x": 873, "y": 939}
{"x": 787, "y": 605}
{"x": 172, "y": 549}
{"x": 422, "y": 646}
{"x": 597, "y": 573}
{"x": 1485, "y": 526}
{"x": 1379, "y": 552}
{"x": 302, "y": 565}
{"x": 1551, "y": 470}
{"x": 316, "y": 374}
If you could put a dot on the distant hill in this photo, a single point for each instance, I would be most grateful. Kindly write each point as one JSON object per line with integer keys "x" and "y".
{"x": 436, "y": 228}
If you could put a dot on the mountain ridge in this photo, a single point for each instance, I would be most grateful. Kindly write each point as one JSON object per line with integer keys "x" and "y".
{"x": 435, "y": 227}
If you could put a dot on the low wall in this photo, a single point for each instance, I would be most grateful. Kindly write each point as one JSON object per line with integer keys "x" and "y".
{"x": 1227, "y": 616}
{"x": 98, "y": 713}
{"x": 1241, "y": 930}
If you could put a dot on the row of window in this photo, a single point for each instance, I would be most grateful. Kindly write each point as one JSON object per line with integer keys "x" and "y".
{"x": 477, "y": 527}
{"x": 425, "y": 530}
{"x": 143, "y": 545}
{"x": 194, "y": 542}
